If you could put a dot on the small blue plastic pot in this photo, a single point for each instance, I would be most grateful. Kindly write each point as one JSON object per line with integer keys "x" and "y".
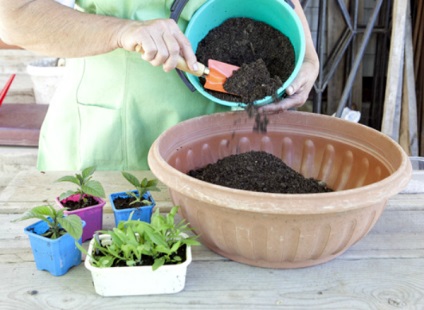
{"x": 142, "y": 213}
{"x": 276, "y": 13}
{"x": 56, "y": 256}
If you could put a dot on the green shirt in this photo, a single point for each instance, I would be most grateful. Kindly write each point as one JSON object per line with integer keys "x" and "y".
{"x": 110, "y": 108}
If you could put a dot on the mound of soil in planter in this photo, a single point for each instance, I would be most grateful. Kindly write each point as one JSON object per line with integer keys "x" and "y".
{"x": 259, "y": 172}
{"x": 242, "y": 41}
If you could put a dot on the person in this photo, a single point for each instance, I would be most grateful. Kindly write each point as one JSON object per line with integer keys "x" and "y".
{"x": 111, "y": 105}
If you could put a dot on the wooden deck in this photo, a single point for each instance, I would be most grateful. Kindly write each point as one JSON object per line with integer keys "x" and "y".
{"x": 385, "y": 270}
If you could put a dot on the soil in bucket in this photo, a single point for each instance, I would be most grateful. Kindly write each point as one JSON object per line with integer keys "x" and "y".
{"x": 256, "y": 48}
{"x": 258, "y": 171}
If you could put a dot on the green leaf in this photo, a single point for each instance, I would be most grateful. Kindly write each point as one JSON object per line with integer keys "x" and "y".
{"x": 191, "y": 241}
{"x": 176, "y": 259}
{"x": 164, "y": 249}
{"x": 105, "y": 261}
{"x": 144, "y": 183}
{"x": 118, "y": 236}
{"x": 152, "y": 185}
{"x": 176, "y": 246}
{"x": 39, "y": 212}
{"x": 88, "y": 172}
{"x": 72, "y": 224}
{"x": 146, "y": 202}
{"x": 67, "y": 194}
{"x": 157, "y": 220}
{"x": 156, "y": 238}
{"x": 127, "y": 249}
{"x": 131, "y": 178}
{"x": 69, "y": 178}
{"x": 158, "y": 263}
{"x": 82, "y": 249}
{"x": 94, "y": 188}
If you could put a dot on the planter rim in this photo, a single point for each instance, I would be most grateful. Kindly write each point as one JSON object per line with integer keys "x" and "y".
{"x": 251, "y": 201}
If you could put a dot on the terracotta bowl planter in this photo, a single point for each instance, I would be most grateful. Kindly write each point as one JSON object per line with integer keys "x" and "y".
{"x": 364, "y": 166}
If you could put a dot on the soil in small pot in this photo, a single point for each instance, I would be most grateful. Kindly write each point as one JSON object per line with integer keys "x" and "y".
{"x": 259, "y": 172}
{"x": 243, "y": 42}
{"x": 88, "y": 201}
{"x": 48, "y": 234}
{"x": 122, "y": 203}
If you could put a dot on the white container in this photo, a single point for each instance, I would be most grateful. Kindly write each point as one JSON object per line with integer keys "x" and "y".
{"x": 46, "y": 76}
{"x": 125, "y": 281}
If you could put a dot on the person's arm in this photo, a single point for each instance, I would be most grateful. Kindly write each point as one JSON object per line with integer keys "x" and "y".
{"x": 298, "y": 91}
{"x": 51, "y": 29}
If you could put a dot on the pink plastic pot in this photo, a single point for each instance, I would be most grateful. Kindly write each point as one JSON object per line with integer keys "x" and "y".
{"x": 364, "y": 166}
{"x": 93, "y": 216}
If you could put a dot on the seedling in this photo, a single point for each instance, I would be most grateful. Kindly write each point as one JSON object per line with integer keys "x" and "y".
{"x": 141, "y": 186}
{"x": 138, "y": 243}
{"x": 59, "y": 224}
{"x": 86, "y": 186}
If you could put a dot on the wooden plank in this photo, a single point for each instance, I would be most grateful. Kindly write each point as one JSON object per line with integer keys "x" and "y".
{"x": 392, "y": 283}
{"x": 33, "y": 187}
{"x": 384, "y": 270}
{"x": 390, "y": 122}
{"x": 409, "y": 129}
{"x": 20, "y": 123}
{"x": 335, "y": 28}
{"x": 357, "y": 85}
{"x": 418, "y": 38}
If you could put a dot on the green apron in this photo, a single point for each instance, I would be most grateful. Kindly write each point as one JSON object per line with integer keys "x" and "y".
{"x": 110, "y": 108}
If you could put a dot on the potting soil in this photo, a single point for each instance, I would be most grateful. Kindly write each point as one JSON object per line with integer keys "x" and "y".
{"x": 242, "y": 42}
{"x": 258, "y": 171}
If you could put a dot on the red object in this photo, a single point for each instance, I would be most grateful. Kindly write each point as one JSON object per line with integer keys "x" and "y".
{"x": 6, "y": 88}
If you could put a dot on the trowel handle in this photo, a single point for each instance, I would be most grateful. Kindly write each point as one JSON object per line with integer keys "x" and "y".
{"x": 182, "y": 64}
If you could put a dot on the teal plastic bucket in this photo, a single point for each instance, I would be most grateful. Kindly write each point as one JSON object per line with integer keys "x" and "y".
{"x": 276, "y": 13}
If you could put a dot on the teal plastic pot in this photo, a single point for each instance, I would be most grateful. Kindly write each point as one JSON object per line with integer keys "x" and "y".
{"x": 276, "y": 13}
{"x": 56, "y": 256}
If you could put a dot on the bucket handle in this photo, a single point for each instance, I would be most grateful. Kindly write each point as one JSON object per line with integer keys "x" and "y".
{"x": 289, "y": 2}
{"x": 176, "y": 9}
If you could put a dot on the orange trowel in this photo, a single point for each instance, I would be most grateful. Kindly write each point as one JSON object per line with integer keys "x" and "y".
{"x": 215, "y": 74}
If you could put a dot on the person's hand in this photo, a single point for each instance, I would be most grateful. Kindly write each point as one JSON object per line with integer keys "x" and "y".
{"x": 298, "y": 91}
{"x": 162, "y": 41}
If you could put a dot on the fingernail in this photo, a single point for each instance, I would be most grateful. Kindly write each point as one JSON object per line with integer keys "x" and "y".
{"x": 195, "y": 66}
